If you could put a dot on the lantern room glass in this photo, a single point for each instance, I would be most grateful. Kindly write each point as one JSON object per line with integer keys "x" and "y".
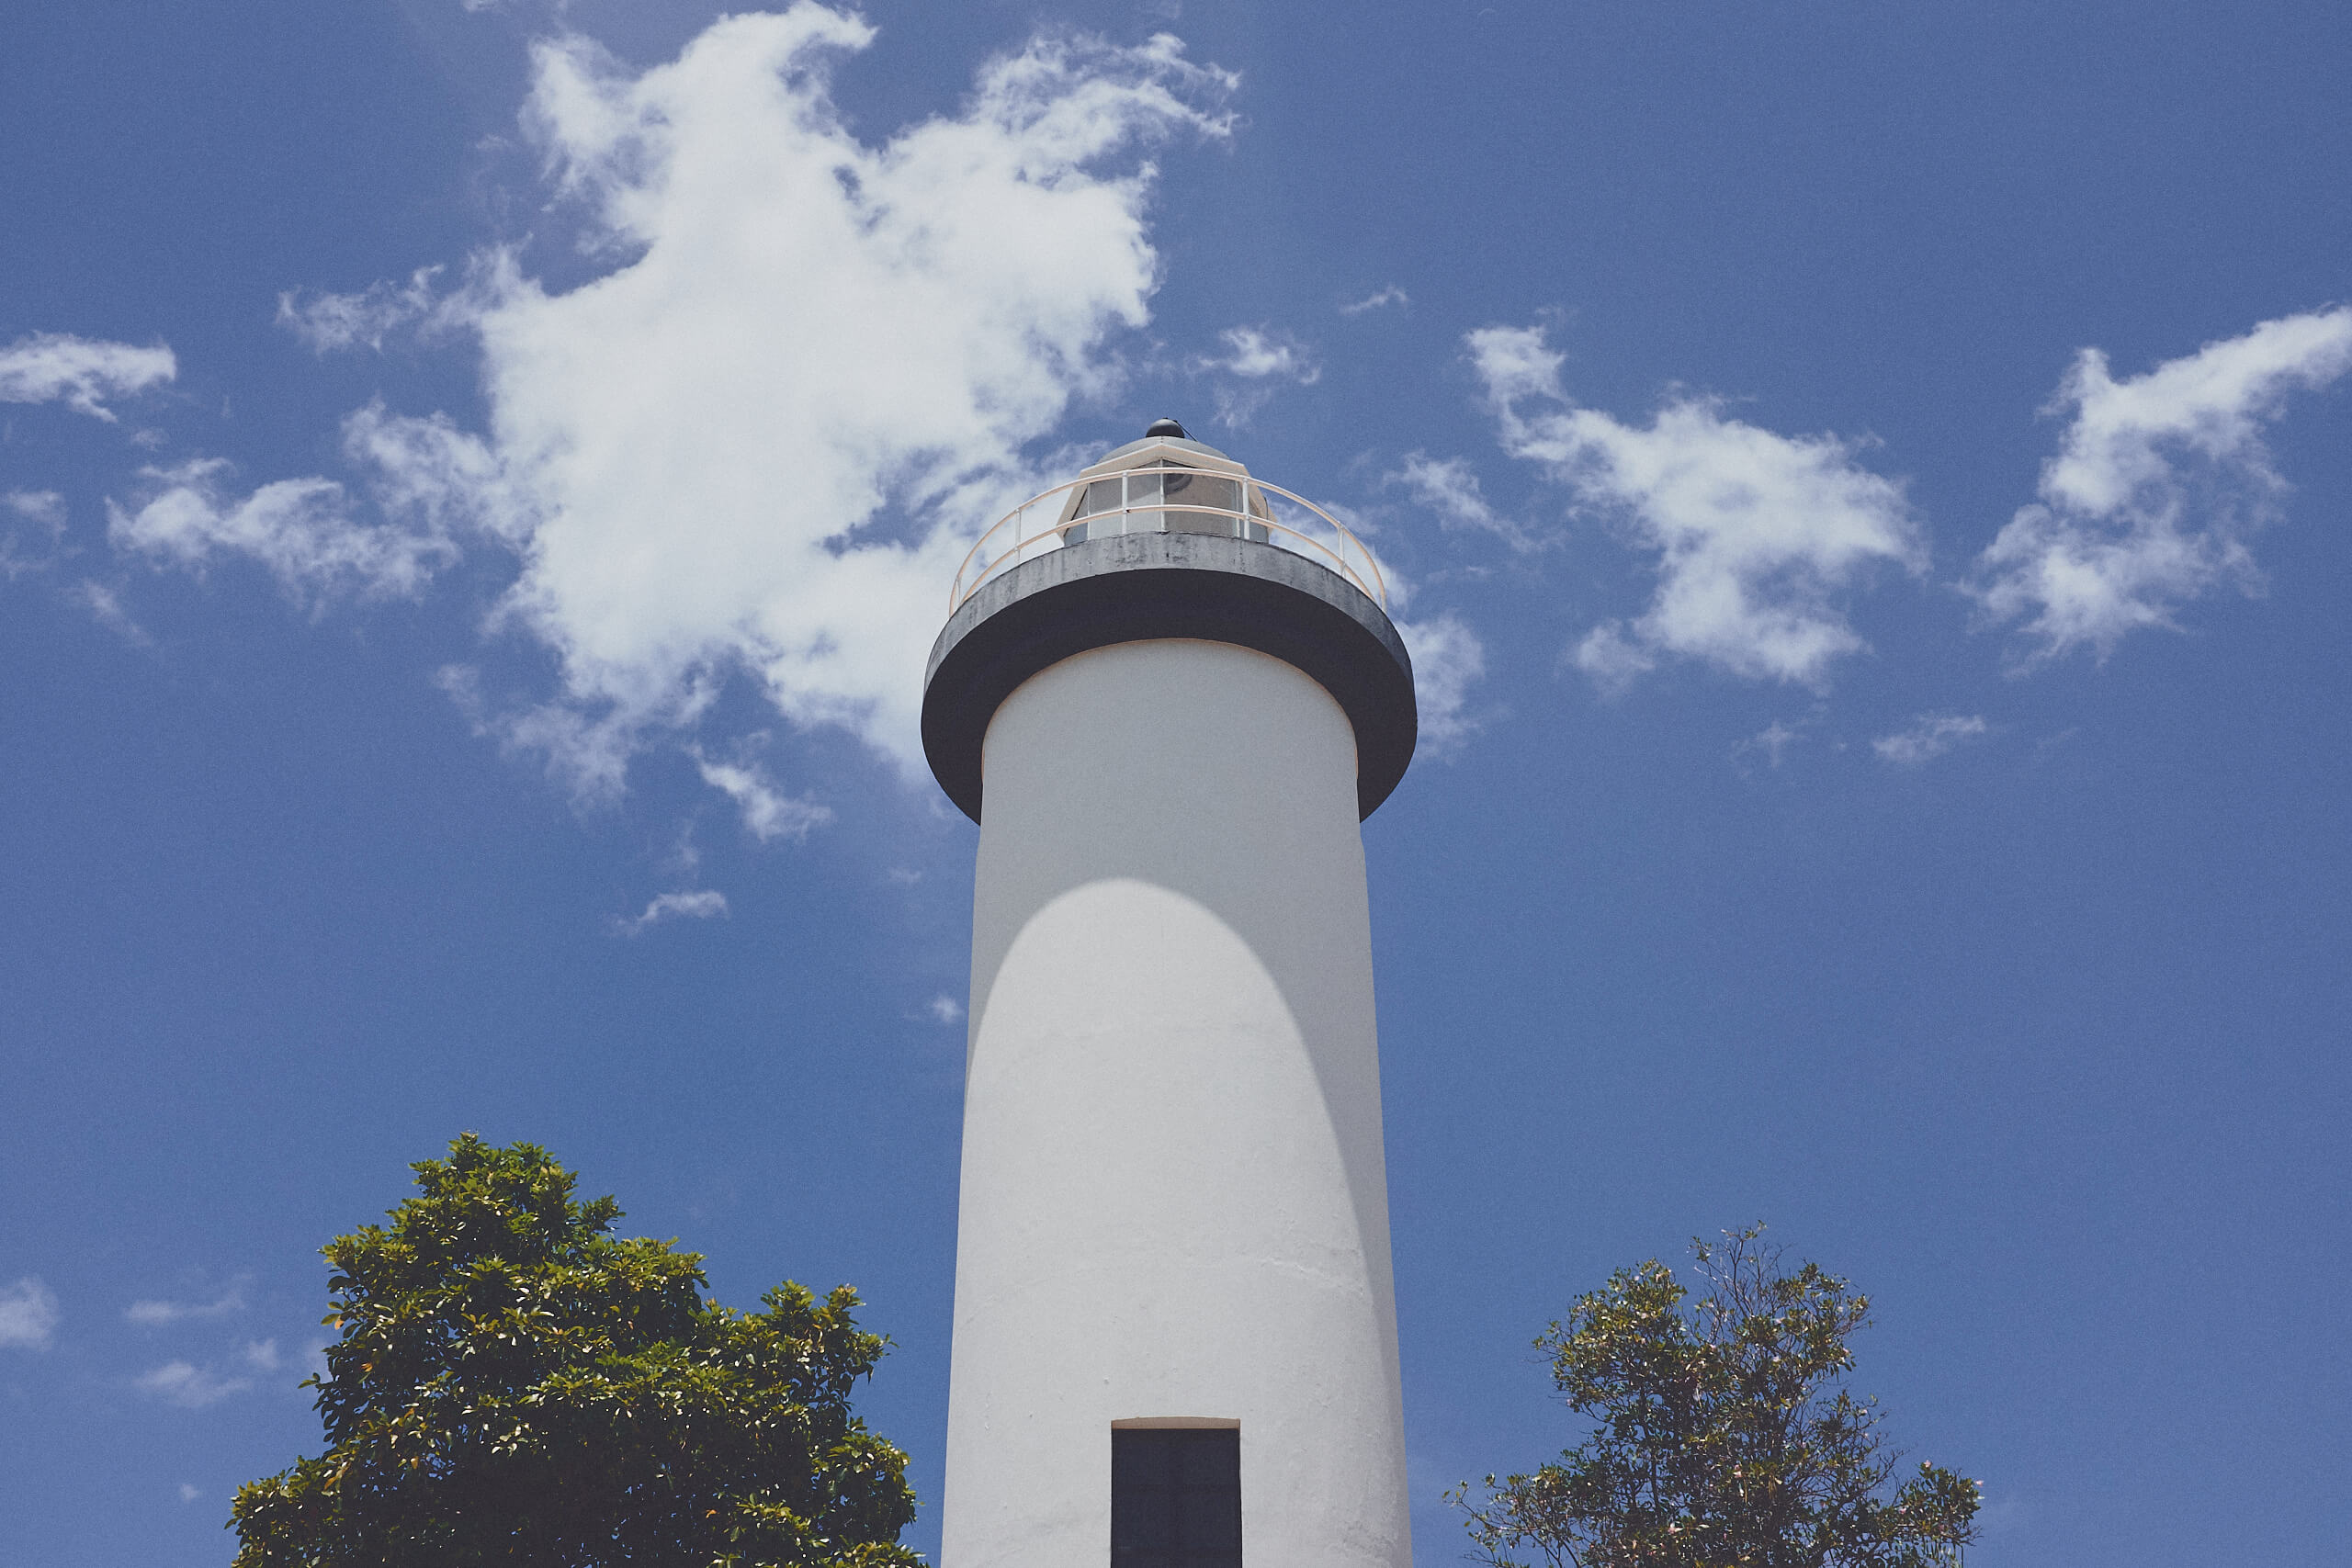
{"x": 1151, "y": 500}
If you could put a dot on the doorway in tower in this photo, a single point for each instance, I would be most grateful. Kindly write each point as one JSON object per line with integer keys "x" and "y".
{"x": 1175, "y": 1495}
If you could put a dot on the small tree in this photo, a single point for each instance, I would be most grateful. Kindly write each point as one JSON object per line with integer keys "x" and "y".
{"x": 514, "y": 1385}
{"x": 1722, "y": 1436}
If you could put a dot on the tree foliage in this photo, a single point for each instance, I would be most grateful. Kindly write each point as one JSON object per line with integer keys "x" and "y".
{"x": 1722, "y": 1436}
{"x": 515, "y": 1385}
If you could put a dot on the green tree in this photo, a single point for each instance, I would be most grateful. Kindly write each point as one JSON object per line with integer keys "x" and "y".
{"x": 1722, "y": 1436}
{"x": 515, "y": 1385}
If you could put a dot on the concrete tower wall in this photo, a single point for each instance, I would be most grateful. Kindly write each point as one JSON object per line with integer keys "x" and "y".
{"x": 1175, "y": 1207}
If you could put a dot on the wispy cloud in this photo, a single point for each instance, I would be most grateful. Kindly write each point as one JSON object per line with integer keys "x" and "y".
{"x": 46, "y": 507}
{"x": 1255, "y": 360}
{"x": 944, "y": 1008}
{"x": 304, "y": 531}
{"x": 32, "y": 531}
{"x": 1448, "y": 659}
{"x": 189, "y": 1386}
{"x": 586, "y": 751}
{"x": 1773, "y": 741}
{"x": 1392, "y": 295}
{"x": 1450, "y": 487}
{"x": 82, "y": 373}
{"x": 1927, "y": 737}
{"x": 768, "y": 813}
{"x": 29, "y": 1314}
{"x": 1756, "y": 537}
{"x": 439, "y": 481}
{"x": 1258, "y": 353}
{"x": 330, "y": 323}
{"x": 701, "y": 904}
{"x": 106, "y": 607}
{"x": 2158, "y": 483}
{"x": 156, "y": 1314}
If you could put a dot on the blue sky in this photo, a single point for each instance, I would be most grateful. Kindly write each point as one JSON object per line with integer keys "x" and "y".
{"x": 1870, "y": 483}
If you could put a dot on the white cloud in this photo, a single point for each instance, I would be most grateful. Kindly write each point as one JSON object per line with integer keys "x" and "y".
{"x": 588, "y": 754}
{"x": 436, "y": 480}
{"x": 46, "y": 507}
{"x": 1257, "y": 358}
{"x": 1756, "y": 535}
{"x": 189, "y": 1493}
{"x": 1257, "y": 353}
{"x": 329, "y": 322}
{"x": 1392, "y": 295}
{"x": 155, "y": 1314}
{"x": 944, "y": 1008}
{"x": 35, "y": 540}
{"x": 701, "y": 904}
{"x": 106, "y": 607}
{"x": 1927, "y": 737}
{"x": 1450, "y": 487}
{"x": 29, "y": 1314}
{"x": 189, "y": 1386}
{"x": 262, "y": 1355}
{"x": 761, "y": 440}
{"x": 768, "y": 813}
{"x": 301, "y": 530}
{"x": 2158, "y": 482}
{"x": 1774, "y": 740}
{"x": 80, "y": 372}
{"x": 1447, "y": 659}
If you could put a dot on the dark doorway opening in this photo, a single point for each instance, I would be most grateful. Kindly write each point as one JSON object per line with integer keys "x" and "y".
{"x": 1175, "y": 1497}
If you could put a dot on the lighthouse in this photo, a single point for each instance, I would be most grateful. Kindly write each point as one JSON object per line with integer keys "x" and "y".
{"x": 1169, "y": 693}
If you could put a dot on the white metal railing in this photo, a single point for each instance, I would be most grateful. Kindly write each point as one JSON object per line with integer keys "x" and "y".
{"x": 1168, "y": 498}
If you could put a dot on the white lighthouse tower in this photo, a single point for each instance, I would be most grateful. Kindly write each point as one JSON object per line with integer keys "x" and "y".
{"x": 1169, "y": 693}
